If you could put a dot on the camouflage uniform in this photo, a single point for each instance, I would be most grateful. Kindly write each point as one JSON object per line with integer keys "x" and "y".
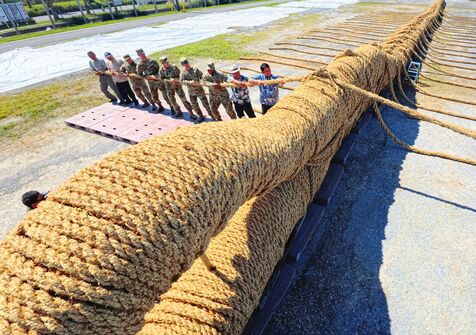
{"x": 195, "y": 92}
{"x": 172, "y": 72}
{"x": 219, "y": 95}
{"x": 138, "y": 84}
{"x": 151, "y": 68}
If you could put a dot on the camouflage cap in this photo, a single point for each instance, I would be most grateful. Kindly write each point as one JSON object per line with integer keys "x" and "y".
{"x": 140, "y": 52}
{"x": 163, "y": 59}
{"x": 90, "y": 53}
{"x": 211, "y": 66}
{"x": 126, "y": 56}
{"x": 183, "y": 60}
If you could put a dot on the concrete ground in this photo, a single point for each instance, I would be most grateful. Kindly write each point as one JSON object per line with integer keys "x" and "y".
{"x": 398, "y": 250}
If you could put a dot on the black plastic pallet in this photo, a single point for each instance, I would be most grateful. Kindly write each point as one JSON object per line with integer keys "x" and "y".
{"x": 328, "y": 187}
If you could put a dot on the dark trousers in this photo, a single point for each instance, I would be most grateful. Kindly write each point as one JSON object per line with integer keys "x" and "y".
{"x": 245, "y": 107}
{"x": 126, "y": 92}
{"x": 265, "y": 108}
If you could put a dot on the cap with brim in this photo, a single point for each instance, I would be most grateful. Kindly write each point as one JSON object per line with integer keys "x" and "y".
{"x": 90, "y": 53}
{"x": 183, "y": 60}
{"x": 163, "y": 59}
{"x": 140, "y": 52}
{"x": 126, "y": 57}
{"x": 107, "y": 54}
{"x": 234, "y": 69}
{"x": 211, "y": 66}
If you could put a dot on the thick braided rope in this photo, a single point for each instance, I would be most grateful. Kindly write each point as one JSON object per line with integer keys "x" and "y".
{"x": 94, "y": 257}
{"x": 244, "y": 253}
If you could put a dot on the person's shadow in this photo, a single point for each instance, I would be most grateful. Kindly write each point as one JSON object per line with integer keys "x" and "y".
{"x": 338, "y": 290}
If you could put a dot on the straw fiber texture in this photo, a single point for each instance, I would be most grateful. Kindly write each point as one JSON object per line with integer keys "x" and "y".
{"x": 95, "y": 256}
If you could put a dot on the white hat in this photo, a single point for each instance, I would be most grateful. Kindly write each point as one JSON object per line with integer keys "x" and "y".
{"x": 234, "y": 69}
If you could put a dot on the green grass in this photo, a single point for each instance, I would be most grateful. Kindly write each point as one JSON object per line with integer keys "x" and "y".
{"x": 220, "y": 47}
{"x": 97, "y": 24}
{"x": 63, "y": 98}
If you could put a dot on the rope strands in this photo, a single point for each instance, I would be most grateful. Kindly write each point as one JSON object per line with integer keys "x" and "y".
{"x": 95, "y": 256}
{"x": 433, "y": 60}
{"x": 346, "y": 36}
{"x": 425, "y": 92}
{"x": 343, "y": 30}
{"x": 203, "y": 302}
{"x": 336, "y": 41}
{"x": 267, "y": 60}
{"x": 417, "y": 105}
{"x": 293, "y": 58}
{"x": 311, "y": 46}
{"x": 440, "y": 70}
{"x": 436, "y": 80}
{"x": 302, "y": 51}
{"x": 415, "y": 149}
{"x": 411, "y": 112}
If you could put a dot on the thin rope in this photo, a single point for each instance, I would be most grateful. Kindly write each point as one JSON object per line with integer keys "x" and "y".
{"x": 421, "y": 90}
{"x": 329, "y": 40}
{"x": 411, "y": 112}
{"x": 431, "y": 109}
{"x": 294, "y": 58}
{"x": 302, "y": 51}
{"x": 415, "y": 149}
{"x": 310, "y": 46}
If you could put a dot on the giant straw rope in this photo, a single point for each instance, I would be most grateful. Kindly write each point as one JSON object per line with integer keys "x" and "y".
{"x": 95, "y": 256}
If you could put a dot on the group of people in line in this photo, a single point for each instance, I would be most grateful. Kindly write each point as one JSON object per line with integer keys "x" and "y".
{"x": 147, "y": 78}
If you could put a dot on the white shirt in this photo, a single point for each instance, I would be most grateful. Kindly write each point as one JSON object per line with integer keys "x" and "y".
{"x": 115, "y": 66}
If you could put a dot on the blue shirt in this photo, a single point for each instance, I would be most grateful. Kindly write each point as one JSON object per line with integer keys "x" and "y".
{"x": 268, "y": 94}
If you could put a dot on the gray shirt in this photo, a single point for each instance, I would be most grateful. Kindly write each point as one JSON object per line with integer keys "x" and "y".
{"x": 98, "y": 65}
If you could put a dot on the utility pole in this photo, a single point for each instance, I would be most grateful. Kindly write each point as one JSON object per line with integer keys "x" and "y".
{"x": 109, "y": 7}
{"x": 49, "y": 14}
{"x": 9, "y": 14}
{"x": 155, "y": 6}
{"x": 81, "y": 10}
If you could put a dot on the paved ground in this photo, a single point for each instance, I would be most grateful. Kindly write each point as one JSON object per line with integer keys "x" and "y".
{"x": 397, "y": 255}
{"x": 44, "y": 18}
{"x": 75, "y": 34}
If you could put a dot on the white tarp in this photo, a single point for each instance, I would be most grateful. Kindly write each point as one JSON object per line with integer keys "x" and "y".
{"x": 27, "y": 66}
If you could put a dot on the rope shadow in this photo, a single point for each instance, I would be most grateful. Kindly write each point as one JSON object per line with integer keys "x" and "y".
{"x": 339, "y": 290}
